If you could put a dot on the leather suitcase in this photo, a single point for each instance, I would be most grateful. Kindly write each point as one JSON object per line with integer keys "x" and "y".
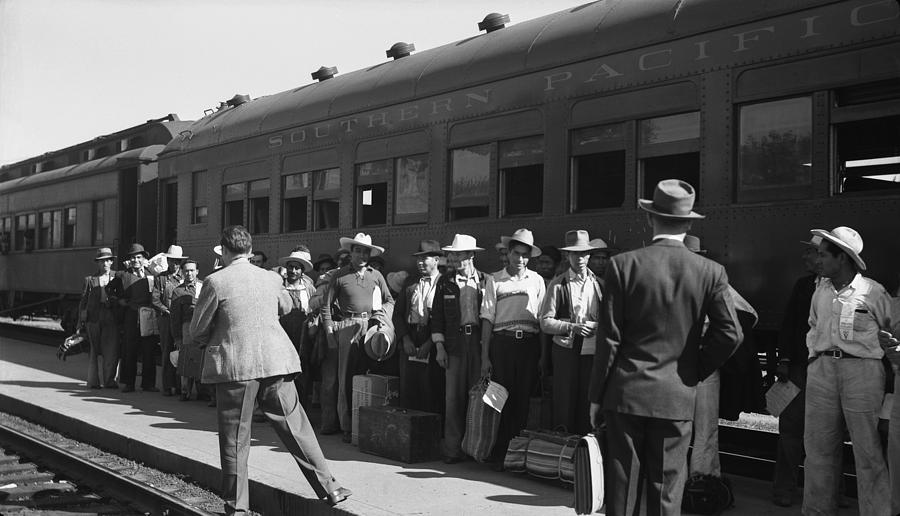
{"x": 400, "y": 434}
{"x": 372, "y": 389}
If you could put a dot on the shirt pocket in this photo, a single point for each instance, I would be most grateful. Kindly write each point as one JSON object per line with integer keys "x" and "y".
{"x": 863, "y": 321}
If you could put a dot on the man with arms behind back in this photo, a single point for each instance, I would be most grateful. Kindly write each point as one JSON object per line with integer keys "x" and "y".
{"x": 650, "y": 354}
{"x": 249, "y": 357}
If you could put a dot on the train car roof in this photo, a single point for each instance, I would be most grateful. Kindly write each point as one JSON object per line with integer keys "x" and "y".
{"x": 131, "y": 157}
{"x": 584, "y": 32}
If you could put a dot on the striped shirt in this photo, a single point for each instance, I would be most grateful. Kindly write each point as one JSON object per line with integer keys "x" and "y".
{"x": 513, "y": 304}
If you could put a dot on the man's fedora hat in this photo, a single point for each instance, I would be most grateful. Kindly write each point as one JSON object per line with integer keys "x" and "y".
{"x": 136, "y": 249}
{"x": 462, "y": 243}
{"x": 298, "y": 256}
{"x": 104, "y": 253}
{"x": 812, "y": 242}
{"x": 379, "y": 342}
{"x": 672, "y": 199}
{"x": 693, "y": 244}
{"x": 521, "y": 236}
{"x": 324, "y": 258}
{"x": 175, "y": 252}
{"x": 600, "y": 246}
{"x": 429, "y": 248}
{"x": 847, "y": 239}
{"x": 578, "y": 240}
{"x": 363, "y": 240}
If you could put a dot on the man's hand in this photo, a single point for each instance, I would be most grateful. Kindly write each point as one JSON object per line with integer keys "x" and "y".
{"x": 781, "y": 371}
{"x": 331, "y": 338}
{"x": 596, "y": 415}
{"x": 583, "y": 330}
{"x": 408, "y": 347}
{"x": 485, "y": 367}
{"x": 891, "y": 347}
{"x": 441, "y": 356}
{"x": 424, "y": 350}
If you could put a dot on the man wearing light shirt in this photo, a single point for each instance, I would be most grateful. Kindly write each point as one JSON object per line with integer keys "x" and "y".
{"x": 570, "y": 313}
{"x": 510, "y": 314}
{"x": 455, "y": 330}
{"x": 845, "y": 377}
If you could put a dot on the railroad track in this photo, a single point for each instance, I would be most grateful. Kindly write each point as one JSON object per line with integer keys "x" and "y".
{"x": 81, "y": 484}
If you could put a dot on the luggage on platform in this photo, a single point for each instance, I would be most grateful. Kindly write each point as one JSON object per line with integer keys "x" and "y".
{"x": 400, "y": 434}
{"x": 543, "y": 454}
{"x": 147, "y": 321}
{"x": 589, "y": 487}
{"x": 372, "y": 390}
{"x": 482, "y": 423}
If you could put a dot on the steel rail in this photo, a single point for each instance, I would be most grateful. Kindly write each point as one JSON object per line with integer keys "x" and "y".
{"x": 97, "y": 477}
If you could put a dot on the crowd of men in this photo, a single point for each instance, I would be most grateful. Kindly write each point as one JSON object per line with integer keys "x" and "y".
{"x": 643, "y": 343}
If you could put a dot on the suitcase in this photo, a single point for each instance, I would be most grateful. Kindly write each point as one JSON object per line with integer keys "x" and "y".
{"x": 404, "y": 435}
{"x": 372, "y": 390}
{"x": 589, "y": 489}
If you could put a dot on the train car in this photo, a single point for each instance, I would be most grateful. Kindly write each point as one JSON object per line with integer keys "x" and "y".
{"x": 57, "y": 209}
{"x": 784, "y": 115}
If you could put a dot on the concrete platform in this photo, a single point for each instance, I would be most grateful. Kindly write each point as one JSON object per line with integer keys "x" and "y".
{"x": 181, "y": 437}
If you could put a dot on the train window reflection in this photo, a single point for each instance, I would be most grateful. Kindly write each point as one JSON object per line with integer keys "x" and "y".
{"x": 56, "y": 231}
{"x": 69, "y": 229}
{"x": 672, "y": 128}
{"x": 326, "y": 198}
{"x": 470, "y": 172}
{"x": 200, "y": 208}
{"x": 97, "y": 222}
{"x": 868, "y": 155}
{"x": 5, "y": 234}
{"x": 411, "y": 189}
{"x": 25, "y": 232}
{"x": 259, "y": 206}
{"x": 45, "y": 230}
{"x": 775, "y": 149}
{"x": 521, "y": 164}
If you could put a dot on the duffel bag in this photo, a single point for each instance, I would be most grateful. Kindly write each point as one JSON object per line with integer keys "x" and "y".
{"x": 589, "y": 489}
{"x": 707, "y": 494}
{"x": 482, "y": 423}
{"x": 543, "y": 454}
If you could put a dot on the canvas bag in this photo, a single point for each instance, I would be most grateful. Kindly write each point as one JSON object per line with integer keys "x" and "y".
{"x": 147, "y": 321}
{"x": 482, "y": 423}
{"x": 543, "y": 454}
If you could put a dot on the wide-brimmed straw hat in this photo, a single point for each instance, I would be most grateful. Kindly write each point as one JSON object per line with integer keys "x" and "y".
{"x": 693, "y": 244}
{"x": 672, "y": 199}
{"x": 462, "y": 243}
{"x": 104, "y": 253}
{"x": 847, "y": 239}
{"x": 136, "y": 249}
{"x": 379, "y": 342}
{"x": 578, "y": 240}
{"x": 298, "y": 256}
{"x": 175, "y": 252}
{"x": 363, "y": 240}
{"x": 521, "y": 236}
{"x": 429, "y": 248}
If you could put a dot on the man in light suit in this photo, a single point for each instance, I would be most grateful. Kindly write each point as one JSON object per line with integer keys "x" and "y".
{"x": 650, "y": 354}
{"x": 249, "y": 357}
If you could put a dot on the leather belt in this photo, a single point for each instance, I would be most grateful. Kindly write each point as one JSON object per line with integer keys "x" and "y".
{"x": 468, "y": 329}
{"x": 516, "y": 334}
{"x": 837, "y": 353}
{"x": 359, "y": 315}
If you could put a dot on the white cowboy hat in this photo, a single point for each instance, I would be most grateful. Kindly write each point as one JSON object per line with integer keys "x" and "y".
{"x": 845, "y": 238}
{"x": 303, "y": 257}
{"x": 522, "y": 236}
{"x": 363, "y": 240}
{"x": 175, "y": 252}
{"x": 378, "y": 342}
{"x": 578, "y": 240}
{"x": 462, "y": 243}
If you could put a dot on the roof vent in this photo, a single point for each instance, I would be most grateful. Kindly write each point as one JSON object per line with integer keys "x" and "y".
{"x": 237, "y": 100}
{"x": 400, "y": 49}
{"x": 324, "y": 73}
{"x": 493, "y": 21}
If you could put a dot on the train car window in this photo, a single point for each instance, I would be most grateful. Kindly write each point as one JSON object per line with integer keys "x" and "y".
{"x": 5, "y": 234}
{"x": 57, "y": 232}
{"x": 24, "y": 233}
{"x": 235, "y": 194}
{"x": 371, "y": 192}
{"x": 669, "y": 148}
{"x": 597, "y": 176}
{"x": 866, "y": 129}
{"x": 199, "y": 189}
{"x": 168, "y": 213}
{"x": 69, "y": 229}
{"x": 296, "y": 189}
{"x": 470, "y": 173}
{"x": 97, "y": 221}
{"x": 775, "y": 150}
{"x": 411, "y": 189}
{"x": 259, "y": 206}
{"x": 326, "y": 198}
{"x": 45, "y": 230}
{"x": 521, "y": 164}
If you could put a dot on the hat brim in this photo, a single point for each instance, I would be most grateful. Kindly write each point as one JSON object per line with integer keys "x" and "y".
{"x": 506, "y": 241}
{"x": 107, "y": 257}
{"x": 387, "y": 335}
{"x": 579, "y": 248}
{"x": 307, "y": 265}
{"x": 647, "y": 205}
{"x": 176, "y": 257}
{"x": 451, "y": 249}
{"x": 825, "y": 234}
{"x": 347, "y": 243}
{"x": 429, "y": 253}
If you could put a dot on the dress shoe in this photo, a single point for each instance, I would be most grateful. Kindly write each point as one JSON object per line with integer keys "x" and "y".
{"x": 338, "y": 495}
{"x": 93, "y": 386}
{"x": 347, "y": 437}
{"x": 128, "y": 388}
{"x": 150, "y": 389}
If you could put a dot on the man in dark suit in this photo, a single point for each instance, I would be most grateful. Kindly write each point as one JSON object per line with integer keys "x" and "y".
{"x": 100, "y": 321}
{"x": 132, "y": 290}
{"x": 650, "y": 354}
{"x": 249, "y": 357}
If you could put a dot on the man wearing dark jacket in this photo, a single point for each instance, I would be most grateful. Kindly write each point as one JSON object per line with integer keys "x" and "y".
{"x": 650, "y": 354}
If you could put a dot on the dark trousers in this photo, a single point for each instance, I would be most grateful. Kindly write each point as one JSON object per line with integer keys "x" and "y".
{"x": 135, "y": 346}
{"x": 422, "y": 384}
{"x": 514, "y": 365}
{"x": 790, "y": 454}
{"x": 167, "y": 344}
{"x": 645, "y": 451}
{"x": 571, "y": 380}
{"x": 278, "y": 400}
{"x": 463, "y": 371}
